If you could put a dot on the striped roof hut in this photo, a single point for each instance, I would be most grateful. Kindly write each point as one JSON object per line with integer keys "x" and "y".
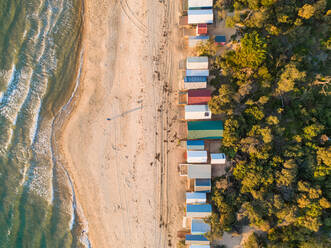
{"x": 197, "y": 112}
{"x": 197, "y": 16}
{"x": 196, "y": 239}
{"x": 199, "y": 96}
{"x": 198, "y": 210}
{"x": 202, "y": 185}
{"x": 195, "y": 197}
{"x": 205, "y": 129}
{"x": 197, "y": 145}
{"x": 202, "y": 72}
{"x": 197, "y": 156}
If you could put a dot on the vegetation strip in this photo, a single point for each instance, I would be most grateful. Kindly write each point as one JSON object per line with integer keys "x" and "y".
{"x": 274, "y": 91}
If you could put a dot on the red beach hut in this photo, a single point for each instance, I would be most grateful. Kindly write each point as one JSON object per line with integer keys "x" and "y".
{"x": 202, "y": 29}
{"x": 199, "y": 96}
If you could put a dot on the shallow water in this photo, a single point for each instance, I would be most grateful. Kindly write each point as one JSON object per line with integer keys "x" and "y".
{"x": 40, "y": 55}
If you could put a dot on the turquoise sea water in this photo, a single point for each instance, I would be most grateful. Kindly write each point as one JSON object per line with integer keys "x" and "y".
{"x": 40, "y": 55}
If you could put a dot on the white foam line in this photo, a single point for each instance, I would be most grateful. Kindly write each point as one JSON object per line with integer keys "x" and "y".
{"x": 10, "y": 82}
{"x": 34, "y": 127}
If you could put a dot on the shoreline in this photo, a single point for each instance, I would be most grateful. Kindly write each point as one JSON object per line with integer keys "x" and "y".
{"x": 80, "y": 222}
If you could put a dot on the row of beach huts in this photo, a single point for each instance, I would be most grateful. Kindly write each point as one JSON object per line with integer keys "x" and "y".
{"x": 200, "y": 14}
{"x": 202, "y": 128}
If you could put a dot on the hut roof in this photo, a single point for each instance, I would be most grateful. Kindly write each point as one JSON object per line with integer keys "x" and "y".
{"x": 196, "y": 195}
{"x": 195, "y": 145}
{"x": 204, "y": 73}
{"x": 198, "y": 208}
{"x": 197, "y": 156}
{"x": 217, "y": 156}
{"x": 202, "y": 182}
{"x": 197, "y": 16}
{"x": 220, "y": 38}
{"x": 199, "y": 227}
{"x": 199, "y": 96}
{"x": 193, "y": 79}
{"x": 200, "y": 171}
{"x": 205, "y": 129}
{"x": 200, "y": 4}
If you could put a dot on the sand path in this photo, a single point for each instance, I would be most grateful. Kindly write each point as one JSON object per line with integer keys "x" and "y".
{"x": 116, "y": 142}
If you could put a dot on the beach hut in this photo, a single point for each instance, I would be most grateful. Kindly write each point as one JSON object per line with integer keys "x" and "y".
{"x": 199, "y": 171}
{"x": 195, "y": 82}
{"x": 198, "y": 16}
{"x": 195, "y": 79}
{"x": 217, "y": 158}
{"x": 197, "y": 112}
{"x": 201, "y": 29}
{"x": 195, "y": 85}
{"x": 196, "y": 240}
{"x": 200, "y": 4}
{"x": 202, "y": 185}
{"x": 205, "y": 129}
{"x": 194, "y": 63}
{"x": 195, "y": 197}
{"x": 201, "y": 73}
{"x": 197, "y": 40}
{"x": 198, "y": 96}
{"x": 198, "y": 210}
{"x": 220, "y": 40}
{"x": 197, "y": 156}
{"x": 197, "y": 145}
{"x": 199, "y": 227}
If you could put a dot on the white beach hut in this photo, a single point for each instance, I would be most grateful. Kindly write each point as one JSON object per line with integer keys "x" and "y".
{"x": 197, "y": 156}
{"x": 197, "y": 112}
{"x": 195, "y": 85}
{"x": 197, "y": 63}
{"x": 201, "y": 73}
{"x": 195, "y": 197}
{"x": 217, "y": 158}
{"x": 198, "y": 16}
{"x": 197, "y": 4}
{"x": 199, "y": 171}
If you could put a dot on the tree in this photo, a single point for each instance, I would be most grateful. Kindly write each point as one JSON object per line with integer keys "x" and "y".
{"x": 312, "y": 131}
{"x": 272, "y": 120}
{"x": 253, "y": 241}
{"x": 221, "y": 103}
{"x": 206, "y": 48}
{"x": 288, "y": 77}
{"x": 306, "y": 11}
{"x": 252, "y": 51}
{"x": 273, "y": 90}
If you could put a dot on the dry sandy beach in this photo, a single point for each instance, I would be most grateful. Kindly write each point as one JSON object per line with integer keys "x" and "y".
{"x": 120, "y": 143}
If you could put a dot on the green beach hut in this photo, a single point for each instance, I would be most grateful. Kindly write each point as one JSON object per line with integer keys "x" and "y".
{"x": 204, "y": 130}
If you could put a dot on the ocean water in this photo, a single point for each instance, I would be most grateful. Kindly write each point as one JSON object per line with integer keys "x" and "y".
{"x": 40, "y": 57}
